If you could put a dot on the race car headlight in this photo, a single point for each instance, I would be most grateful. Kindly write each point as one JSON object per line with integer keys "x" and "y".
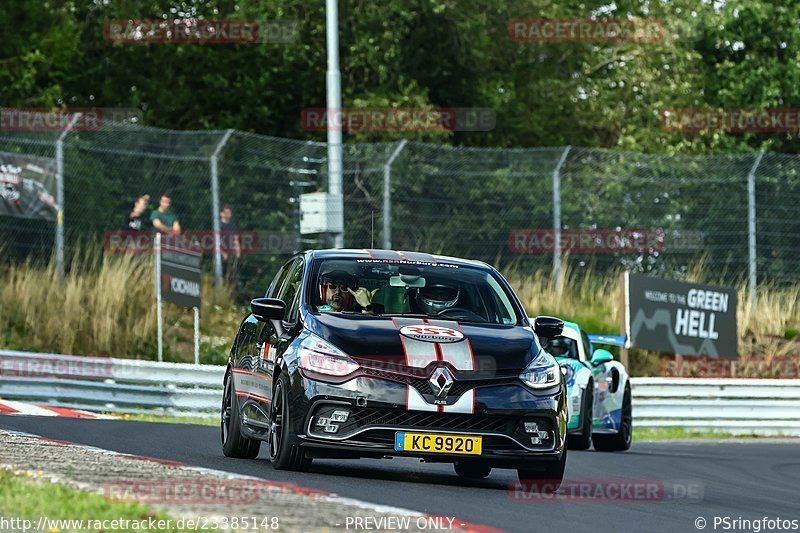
{"x": 542, "y": 373}
{"x": 319, "y": 356}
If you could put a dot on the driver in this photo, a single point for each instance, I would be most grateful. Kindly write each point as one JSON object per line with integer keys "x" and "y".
{"x": 435, "y": 298}
{"x": 558, "y": 347}
{"x": 336, "y": 290}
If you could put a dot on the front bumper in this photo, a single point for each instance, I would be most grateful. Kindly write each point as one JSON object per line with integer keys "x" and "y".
{"x": 378, "y": 409}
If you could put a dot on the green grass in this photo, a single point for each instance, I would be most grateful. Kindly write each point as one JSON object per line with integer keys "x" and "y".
{"x": 675, "y": 433}
{"x": 24, "y": 496}
{"x": 212, "y": 421}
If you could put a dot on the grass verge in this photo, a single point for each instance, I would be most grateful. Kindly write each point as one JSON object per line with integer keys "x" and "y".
{"x": 166, "y": 419}
{"x": 25, "y": 497}
{"x": 674, "y": 433}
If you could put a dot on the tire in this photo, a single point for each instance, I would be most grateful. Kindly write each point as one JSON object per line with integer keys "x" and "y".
{"x": 546, "y": 480}
{"x": 284, "y": 450}
{"x": 620, "y": 441}
{"x": 472, "y": 469}
{"x": 582, "y": 440}
{"x": 234, "y": 444}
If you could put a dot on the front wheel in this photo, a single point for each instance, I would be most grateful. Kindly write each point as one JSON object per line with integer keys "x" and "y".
{"x": 233, "y": 443}
{"x": 547, "y": 479}
{"x": 583, "y": 440}
{"x": 284, "y": 452}
{"x": 620, "y": 441}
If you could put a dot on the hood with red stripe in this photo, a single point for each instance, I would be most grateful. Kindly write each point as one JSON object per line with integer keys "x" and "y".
{"x": 492, "y": 347}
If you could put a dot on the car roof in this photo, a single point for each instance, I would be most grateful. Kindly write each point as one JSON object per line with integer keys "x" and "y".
{"x": 393, "y": 255}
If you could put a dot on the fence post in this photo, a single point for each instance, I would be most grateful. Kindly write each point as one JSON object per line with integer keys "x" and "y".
{"x": 387, "y": 196}
{"x": 751, "y": 229}
{"x": 557, "y": 217}
{"x": 215, "y": 208}
{"x": 60, "y": 196}
{"x": 334, "y": 102}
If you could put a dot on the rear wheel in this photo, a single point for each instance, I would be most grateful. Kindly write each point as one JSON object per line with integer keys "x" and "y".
{"x": 620, "y": 441}
{"x": 284, "y": 451}
{"x": 233, "y": 443}
{"x": 582, "y": 440}
{"x": 547, "y": 479}
{"x": 472, "y": 469}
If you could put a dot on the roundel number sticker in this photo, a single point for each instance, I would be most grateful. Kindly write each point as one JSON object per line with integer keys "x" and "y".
{"x": 432, "y": 333}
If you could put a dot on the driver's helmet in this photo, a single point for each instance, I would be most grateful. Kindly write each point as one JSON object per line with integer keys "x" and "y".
{"x": 337, "y": 282}
{"x": 437, "y": 297}
{"x": 559, "y": 347}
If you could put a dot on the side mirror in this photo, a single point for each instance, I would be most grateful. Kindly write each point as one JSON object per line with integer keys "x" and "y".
{"x": 547, "y": 327}
{"x": 601, "y": 356}
{"x": 268, "y": 309}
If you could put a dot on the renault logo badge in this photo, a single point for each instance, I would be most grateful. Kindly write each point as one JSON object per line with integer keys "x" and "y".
{"x": 441, "y": 380}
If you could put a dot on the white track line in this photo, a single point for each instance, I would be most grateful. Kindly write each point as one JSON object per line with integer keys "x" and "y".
{"x": 27, "y": 409}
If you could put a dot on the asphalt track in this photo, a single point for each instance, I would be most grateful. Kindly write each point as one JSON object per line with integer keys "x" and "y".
{"x": 736, "y": 479}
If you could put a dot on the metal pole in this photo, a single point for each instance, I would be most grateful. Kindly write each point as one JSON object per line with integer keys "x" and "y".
{"x": 557, "y": 217}
{"x": 196, "y": 335}
{"x": 334, "y": 101}
{"x": 215, "y": 208}
{"x": 751, "y": 229}
{"x": 157, "y": 270}
{"x": 387, "y": 196}
{"x": 60, "y": 196}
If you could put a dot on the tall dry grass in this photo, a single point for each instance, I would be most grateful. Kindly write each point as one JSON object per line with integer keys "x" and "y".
{"x": 105, "y": 305}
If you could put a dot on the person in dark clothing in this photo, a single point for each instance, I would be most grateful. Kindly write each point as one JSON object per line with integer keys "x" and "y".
{"x": 230, "y": 247}
{"x": 136, "y": 218}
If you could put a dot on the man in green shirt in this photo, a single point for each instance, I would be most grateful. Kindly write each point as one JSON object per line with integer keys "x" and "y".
{"x": 163, "y": 219}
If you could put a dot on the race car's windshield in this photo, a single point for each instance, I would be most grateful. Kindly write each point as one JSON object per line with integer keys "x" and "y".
{"x": 563, "y": 347}
{"x": 428, "y": 290}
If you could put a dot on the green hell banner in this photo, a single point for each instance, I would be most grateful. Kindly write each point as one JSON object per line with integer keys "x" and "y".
{"x": 681, "y": 318}
{"x": 27, "y": 186}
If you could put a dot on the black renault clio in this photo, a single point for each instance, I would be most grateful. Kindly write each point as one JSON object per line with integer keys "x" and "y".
{"x": 376, "y": 353}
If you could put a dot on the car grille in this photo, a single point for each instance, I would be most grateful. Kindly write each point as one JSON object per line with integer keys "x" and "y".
{"x": 421, "y": 383}
{"x": 442, "y": 421}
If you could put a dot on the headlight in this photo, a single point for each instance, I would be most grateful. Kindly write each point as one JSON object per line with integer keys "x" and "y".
{"x": 542, "y": 373}
{"x": 320, "y": 356}
{"x": 569, "y": 373}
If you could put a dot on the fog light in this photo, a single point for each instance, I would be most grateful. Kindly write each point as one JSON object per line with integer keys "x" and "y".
{"x": 322, "y": 421}
{"x": 536, "y": 440}
{"x": 531, "y": 427}
{"x": 331, "y": 428}
{"x": 340, "y": 416}
{"x": 544, "y": 435}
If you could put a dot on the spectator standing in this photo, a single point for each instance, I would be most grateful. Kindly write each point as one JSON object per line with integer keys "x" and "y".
{"x": 230, "y": 247}
{"x": 163, "y": 219}
{"x": 136, "y": 216}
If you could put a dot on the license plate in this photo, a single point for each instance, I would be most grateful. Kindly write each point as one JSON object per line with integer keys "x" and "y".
{"x": 437, "y": 443}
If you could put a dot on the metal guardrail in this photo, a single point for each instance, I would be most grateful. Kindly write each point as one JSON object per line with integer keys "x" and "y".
{"x": 739, "y": 406}
{"x": 744, "y": 406}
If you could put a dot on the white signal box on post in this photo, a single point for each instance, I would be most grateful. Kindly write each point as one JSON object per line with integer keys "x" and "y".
{"x": 320, "y": 213}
